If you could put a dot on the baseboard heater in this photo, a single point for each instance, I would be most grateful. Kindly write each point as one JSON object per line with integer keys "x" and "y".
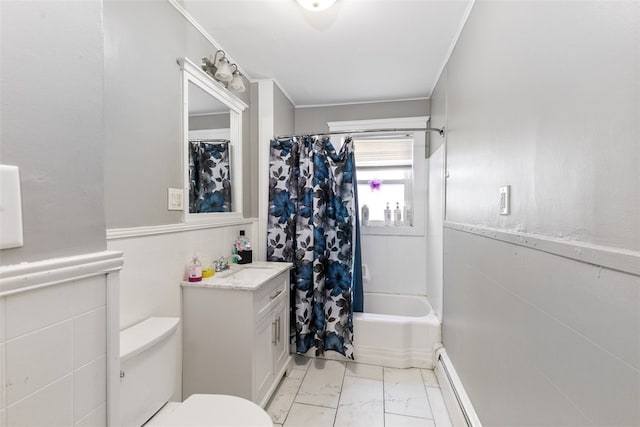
{"x": 460, "y": 409}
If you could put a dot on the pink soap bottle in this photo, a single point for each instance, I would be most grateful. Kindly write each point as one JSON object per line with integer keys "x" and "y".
{"x": 195, "y": 270}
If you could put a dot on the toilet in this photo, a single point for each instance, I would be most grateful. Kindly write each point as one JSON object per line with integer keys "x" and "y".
{"x": 149, "y": 355}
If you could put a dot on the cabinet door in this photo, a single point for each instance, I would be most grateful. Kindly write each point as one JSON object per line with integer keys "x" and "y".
{"x": 263, "y": 356}
{"x": 281, "y": 348}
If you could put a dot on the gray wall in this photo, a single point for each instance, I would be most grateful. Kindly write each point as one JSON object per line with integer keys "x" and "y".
{"x": 544, "y": 96}
{"x": 209, "y": 121}
{"x": 284, "y": 113}
{"x": 52, "y": 70}
{"x": 143, "y": 98}
{"x": 314, "y": 119}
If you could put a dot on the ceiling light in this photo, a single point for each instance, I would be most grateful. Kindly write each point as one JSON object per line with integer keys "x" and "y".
{"x": 316, "y": 5}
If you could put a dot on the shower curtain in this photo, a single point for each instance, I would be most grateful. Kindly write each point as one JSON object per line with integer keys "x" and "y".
{"x": 209, "y": 177}
{"x": 312, "y": 215}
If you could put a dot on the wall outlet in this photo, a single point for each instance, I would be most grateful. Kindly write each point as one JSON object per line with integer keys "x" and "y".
{"x": 365, "y": 272}
{"x": 505, "y": 200}
{"x": 175, "y": 198}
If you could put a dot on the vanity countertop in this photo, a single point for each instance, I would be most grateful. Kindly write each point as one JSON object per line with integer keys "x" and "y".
{"x": 247, "y": 277}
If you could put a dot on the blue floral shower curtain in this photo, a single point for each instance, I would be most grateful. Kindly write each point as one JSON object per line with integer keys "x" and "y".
{"x": 209, "y": 177}
{"x": 311, "y": 224}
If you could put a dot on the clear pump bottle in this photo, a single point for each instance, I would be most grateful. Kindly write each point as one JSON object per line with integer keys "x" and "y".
{"x": 365, "y": 215}
{"x": 387, "y": 216}
{"x": 397, "y": 215}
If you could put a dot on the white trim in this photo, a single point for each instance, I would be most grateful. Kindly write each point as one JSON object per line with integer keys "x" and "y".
{"x": 338, "y": 104}
{"x": 265, "y": 133}
{"x": 394, "y": 357}
{"x": 453, "y": 44}
{"x": 623, "y": 260}
{"x": 206, "y": 35}
{"x": 459, "y": 406}
{"x": 210, "y": 134}
{"x": 33, "y": 275}
{"x": 191, "y": 73}
{"x": 411, "y": 122}
{"x": 400, "y": 230}
{"x": 126, "y": 233}
{"x": 113, "y": 348}
{"x": 207, "y": 82}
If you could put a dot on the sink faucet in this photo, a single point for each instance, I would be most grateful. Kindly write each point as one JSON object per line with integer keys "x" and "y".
{"x": 221, "y": 264}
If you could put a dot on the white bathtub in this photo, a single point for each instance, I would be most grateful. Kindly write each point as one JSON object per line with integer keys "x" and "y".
{"x": 398, "y": 331}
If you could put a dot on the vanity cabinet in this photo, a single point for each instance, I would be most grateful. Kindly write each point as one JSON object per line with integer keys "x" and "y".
{"x": 235, "y": 335}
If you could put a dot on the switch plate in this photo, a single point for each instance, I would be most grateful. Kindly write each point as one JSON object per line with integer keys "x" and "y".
{"x": 505, "y": 200}
{"x": 10, "y": 208}
{"x": 175, "y": 198}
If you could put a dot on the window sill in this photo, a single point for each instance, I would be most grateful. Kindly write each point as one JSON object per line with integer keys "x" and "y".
{"x": 382, "y": 230}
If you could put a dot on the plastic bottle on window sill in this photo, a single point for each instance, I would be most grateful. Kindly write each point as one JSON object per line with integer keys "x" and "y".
{"x": 365, "y": 215}
{"x": 408, "y": 216}
{"x": 397, "y": 215}
{"x": 387, "y": 216}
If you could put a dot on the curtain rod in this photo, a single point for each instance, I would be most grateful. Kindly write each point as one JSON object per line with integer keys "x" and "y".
{"x": 440, "y": 131}
{"x": 209, "y": 140}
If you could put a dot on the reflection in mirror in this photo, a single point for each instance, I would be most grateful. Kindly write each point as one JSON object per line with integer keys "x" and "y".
{"x": 212, "y": 148}
{"x": 209, "y": 153}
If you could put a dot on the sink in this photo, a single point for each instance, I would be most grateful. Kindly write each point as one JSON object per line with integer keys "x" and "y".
{"x": 244, "y": 273}
{"x": 252, "y": 274}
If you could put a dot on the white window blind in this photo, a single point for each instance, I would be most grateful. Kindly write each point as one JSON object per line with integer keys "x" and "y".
{"x": 383, "y": 152}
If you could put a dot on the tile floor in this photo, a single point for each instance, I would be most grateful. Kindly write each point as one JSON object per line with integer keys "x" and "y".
{"x": 329, "y": 393}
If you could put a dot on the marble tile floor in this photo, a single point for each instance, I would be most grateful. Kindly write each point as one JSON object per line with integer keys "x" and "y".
{"x": 330, "y": 393}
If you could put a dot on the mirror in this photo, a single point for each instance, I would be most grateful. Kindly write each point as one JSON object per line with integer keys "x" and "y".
{"x": 212, "y": 155}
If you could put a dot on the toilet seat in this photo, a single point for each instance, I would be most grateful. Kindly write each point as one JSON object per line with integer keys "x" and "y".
{"x": 211, "y": 410}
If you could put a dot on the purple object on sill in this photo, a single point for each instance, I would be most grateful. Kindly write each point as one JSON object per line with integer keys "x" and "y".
{"x": 375, "y": 184}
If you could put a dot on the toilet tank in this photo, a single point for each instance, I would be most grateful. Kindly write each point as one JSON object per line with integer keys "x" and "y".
{"x": 149, "y": 353}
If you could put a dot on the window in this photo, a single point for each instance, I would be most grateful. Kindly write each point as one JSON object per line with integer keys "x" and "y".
{"x": 384, "y": 168}
{"x": 390, "y": 168}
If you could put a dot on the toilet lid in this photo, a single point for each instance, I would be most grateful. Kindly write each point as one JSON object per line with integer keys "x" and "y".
{"x": 212, "y": 410}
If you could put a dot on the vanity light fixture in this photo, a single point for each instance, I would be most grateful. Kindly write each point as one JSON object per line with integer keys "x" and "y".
{"x": 219, "y": 68}
{"x": 316, "y": 5}
{"x": 224, "y": 73}
{"x": 236, "y": 84}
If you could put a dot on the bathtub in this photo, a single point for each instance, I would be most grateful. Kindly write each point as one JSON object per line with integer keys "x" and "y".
{"x": 398, "y": 331}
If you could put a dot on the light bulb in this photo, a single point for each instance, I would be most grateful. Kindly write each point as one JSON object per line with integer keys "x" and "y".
{"x": 236, "y": 84}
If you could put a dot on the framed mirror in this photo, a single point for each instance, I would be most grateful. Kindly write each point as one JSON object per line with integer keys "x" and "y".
{"x": 212, "y": 148}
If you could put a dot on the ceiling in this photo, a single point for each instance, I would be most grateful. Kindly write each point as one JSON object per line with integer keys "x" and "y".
{"x": 356, "y": 51}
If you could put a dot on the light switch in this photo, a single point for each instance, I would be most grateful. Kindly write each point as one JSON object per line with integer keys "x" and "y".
{"x": 505, "y": 199}
{"x": 10, "y": 208}
{"x": 174, "y": 199}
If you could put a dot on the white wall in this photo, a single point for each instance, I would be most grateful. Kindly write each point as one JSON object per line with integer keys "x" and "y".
{"x": 155, "y": 266}
{"x": 544, "y": 96}
{"x": 54, "y": 341}
{"x": 435, "y": 223}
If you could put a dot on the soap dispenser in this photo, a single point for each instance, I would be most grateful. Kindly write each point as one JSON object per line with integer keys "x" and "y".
{"x": 397, "y": 215}
{"x": 387, "y": 215}
{"x": 195, "y": 270}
